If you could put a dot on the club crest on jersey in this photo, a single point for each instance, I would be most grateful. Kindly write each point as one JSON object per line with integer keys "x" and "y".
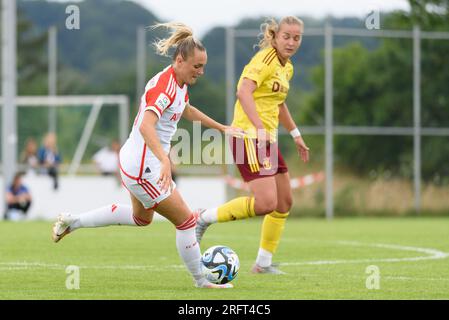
{"x": 162, "y": 101}
{"x": 266, "y": 163}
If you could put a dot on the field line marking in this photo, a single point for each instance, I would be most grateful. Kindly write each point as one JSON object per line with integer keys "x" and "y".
{"x": 432, "y": 254}
{"x": 22, "y": 265}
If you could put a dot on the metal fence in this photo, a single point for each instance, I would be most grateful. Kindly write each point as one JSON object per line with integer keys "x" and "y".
{"x": 329, "y": 129}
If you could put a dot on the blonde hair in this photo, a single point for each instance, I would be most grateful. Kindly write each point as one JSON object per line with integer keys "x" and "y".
{"x": 181, "y": 38}
{"x": 50, "y": 141}
{"x": 270, "y": 27}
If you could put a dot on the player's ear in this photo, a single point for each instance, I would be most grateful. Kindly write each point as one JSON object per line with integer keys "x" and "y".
{"x": 179, "y": 59}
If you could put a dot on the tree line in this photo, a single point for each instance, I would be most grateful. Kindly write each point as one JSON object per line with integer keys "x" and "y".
{"x": 372, "y": 78}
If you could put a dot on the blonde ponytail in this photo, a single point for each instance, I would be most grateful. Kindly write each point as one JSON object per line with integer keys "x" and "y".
{"x": 270, "y": 27}
{"x": 181, "y": 38}
{"x": 268, "y": 31}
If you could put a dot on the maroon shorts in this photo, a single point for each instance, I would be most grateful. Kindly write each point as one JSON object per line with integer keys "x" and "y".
{"x": 254, "y": 162}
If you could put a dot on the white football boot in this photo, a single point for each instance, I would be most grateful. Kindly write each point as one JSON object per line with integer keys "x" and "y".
{"x": 272, "y": 269}
{"x": 61, "y": 227}
{"x": 201, "y": 225}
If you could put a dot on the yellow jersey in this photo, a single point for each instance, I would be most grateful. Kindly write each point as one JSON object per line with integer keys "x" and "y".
{"x": 272, "y": 80}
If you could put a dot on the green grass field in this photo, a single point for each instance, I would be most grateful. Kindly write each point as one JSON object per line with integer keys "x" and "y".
{"x": 323, "y": 260}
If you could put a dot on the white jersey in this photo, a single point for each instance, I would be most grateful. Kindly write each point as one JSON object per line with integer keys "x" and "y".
{"x": 167, "y": 99}
{"x": 106, "y": 160}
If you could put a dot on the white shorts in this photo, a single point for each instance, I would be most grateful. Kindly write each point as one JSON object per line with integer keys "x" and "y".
{"x": 146, "y": 188}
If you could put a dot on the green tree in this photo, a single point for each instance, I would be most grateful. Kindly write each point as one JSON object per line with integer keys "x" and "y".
{"x": 31, "y": 76}
{"x": 374, "y": 88}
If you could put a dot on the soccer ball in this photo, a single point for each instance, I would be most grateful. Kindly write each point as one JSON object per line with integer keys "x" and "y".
{"x": 220, "y": 264}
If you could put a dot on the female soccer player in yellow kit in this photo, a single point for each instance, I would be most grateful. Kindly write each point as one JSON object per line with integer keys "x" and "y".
{"x": 261, "y": 92}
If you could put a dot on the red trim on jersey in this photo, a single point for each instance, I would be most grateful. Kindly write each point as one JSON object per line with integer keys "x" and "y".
{"x": 157, "y": 108}
{"x": 174, "y": 76}
{"x": 165, "y": 85}
{"x": 142, "y": 162}
{"x": 155, "y": 111}
{"x": 137, "y": 117}
{"x": 171, "y": 88}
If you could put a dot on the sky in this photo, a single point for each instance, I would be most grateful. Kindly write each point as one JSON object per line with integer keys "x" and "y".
{"x": 202, "y": 15}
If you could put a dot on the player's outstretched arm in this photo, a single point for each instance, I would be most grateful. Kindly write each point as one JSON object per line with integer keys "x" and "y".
{"x": 193, "y": 114}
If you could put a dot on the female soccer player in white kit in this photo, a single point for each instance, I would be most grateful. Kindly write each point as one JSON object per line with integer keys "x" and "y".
{"x": 144, "y": 161}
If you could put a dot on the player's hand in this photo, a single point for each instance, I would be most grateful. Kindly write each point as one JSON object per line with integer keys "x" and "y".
{"x": 302, "y": 148}
{"x": 165, "y": 179}
{"x": 233, "y": 131}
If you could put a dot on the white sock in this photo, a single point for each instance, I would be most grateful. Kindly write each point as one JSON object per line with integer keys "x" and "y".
{"x": 264, "y": 258}
{"x": 210, "y": 215}
{"x": 116, "y": 214}
{"x": 189, "y": 249}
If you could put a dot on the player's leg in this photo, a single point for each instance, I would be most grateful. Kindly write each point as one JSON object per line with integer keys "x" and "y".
{"x": 116, "y": 214}
{"x": 265, "y": 196}
{"x": 235, "y": 209}
{"x": 273, "y": 226}
{"x": 284, "y": 193}
{"x": 113, "y": 214}
{"x": 249, "y": 161}
{"x": 177, "y": 212}
{"x": 110, "y": 215}
{"x": 274, "y": 223}
{"x": 263, "y": 201}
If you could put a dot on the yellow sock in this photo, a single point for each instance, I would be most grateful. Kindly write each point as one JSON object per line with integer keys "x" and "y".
{"x": 272, "y": 227}
{"x": 236, "y": 209}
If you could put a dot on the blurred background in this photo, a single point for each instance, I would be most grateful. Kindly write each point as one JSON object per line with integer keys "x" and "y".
{"x": 370, "y": 95}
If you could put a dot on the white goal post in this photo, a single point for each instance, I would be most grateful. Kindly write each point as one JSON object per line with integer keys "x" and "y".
{"x": 97, "y": 102}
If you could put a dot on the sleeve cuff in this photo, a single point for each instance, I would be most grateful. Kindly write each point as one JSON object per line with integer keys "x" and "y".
{"x": 155, "y": 109}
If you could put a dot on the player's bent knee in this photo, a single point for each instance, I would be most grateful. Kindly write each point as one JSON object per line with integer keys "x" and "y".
{"x": 264, "y": 206}
{"x": 284, "y": 205}
{"x": 142, "y": 216}
{"x": 142, "y": 222}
